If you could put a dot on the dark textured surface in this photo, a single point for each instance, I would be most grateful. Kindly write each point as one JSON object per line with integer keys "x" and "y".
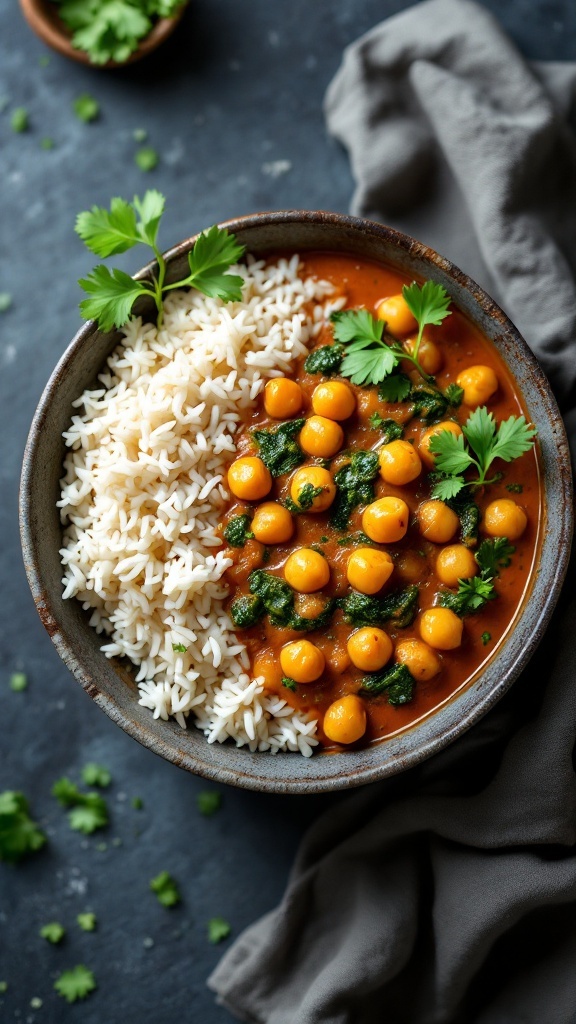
{"x": 238, "y": 89}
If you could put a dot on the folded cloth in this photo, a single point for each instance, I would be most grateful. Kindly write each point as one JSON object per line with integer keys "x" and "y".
{"x": 447, "y": 895}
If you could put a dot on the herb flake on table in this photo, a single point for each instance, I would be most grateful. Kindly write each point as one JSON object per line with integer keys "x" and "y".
{"x": 53, "y": 932}
{"x": 19, "y": 834}
{"x": 75, "y": 984}
{"x": 146, "y": 158}
{"x": 5, "y": 301}
{"x": 18, "y": 682}
{"x": 208, "y": 802}
{"x": 218, "y": 930}
{"x": 20, "y": 120}
{"x": 86, "y": 108}
{"x": 96, "y": 775}
{"x": 87, "y": 921}
{"x": 166, "y": 889}
{"x": 88, "y": 810}
{"x": 112, "y": 293}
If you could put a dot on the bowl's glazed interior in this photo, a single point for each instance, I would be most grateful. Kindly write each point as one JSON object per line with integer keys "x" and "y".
{"x": 111, "y": 684}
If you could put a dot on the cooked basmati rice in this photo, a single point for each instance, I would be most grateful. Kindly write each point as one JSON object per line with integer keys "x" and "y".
{"x": 144, "y": 489}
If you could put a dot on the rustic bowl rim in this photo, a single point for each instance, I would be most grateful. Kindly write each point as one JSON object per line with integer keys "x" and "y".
{"x": 49, "y": 27}
{"x": 549, "y": 583}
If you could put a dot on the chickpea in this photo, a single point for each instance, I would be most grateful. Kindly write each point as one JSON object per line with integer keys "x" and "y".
{"x": 249, "y": 479}
{"x": 429, "y": 355}
{"x": 394, "y": 310}
{"x": 283, "y": 398}
{"x": 424, "y": 443}
{"x": 437, "y": 522}
{"x": 302, "y": 661}
{"x": 316, "y": 477}
{"x": 345, "y": 719}
{"x": 454, "y": 563}
{"x": 441, "y": 628}
{"x": 504, "y": 518}
{"x": 272, "y": 523}
{"x": 369, "y": 569}
{"x": 369, "y": 648}
{"x": 333, "y": 399}
{"x": 321, "y": 437}
{"x": 399, "y": 463}
{"x": 420, "y": 660}
{"x": 479, "y": 383}
{"x": 266, "y": 666}
{"x": 306, "y": 570}
{"x": 309, "y": 606}
{"x": 386, "y": 520}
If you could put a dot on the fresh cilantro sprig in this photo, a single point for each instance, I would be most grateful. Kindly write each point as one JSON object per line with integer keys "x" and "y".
{"x": 429, "y": 306}
{"x": 53, "y": 932}
{"x": 370, "y": 357}
{"x": 218, "y": 930}
{"x": 472, "y": 594}
{"x": 112, "y": 293}
{"x": 480, "y": 443}
{"x": 166, "y": 889}
{"x": 110, "y": 30}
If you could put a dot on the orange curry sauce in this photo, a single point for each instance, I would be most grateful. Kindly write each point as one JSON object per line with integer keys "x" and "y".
{"x": 365, "y": 284}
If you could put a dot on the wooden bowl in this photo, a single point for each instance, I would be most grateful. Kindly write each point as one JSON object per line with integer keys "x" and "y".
{"x": 113, "y": 687}
{"x": 44, "y": 20}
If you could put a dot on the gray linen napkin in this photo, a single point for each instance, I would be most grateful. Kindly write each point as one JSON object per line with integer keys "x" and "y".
{"x": 448, "y": 894}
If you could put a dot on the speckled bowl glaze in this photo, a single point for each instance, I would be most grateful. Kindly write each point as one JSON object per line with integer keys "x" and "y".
{"x": 112, "y": 686}
{"x": 43, "y": 18}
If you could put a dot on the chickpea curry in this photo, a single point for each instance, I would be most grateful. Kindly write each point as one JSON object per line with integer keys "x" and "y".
{"x": 385, "y": 509}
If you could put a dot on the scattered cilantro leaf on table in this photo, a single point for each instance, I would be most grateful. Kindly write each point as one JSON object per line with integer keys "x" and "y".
{"x": 137, "y": 803}
{"x": 3, "y": 987}
{"x": 166, "y": 889}
{"x": 146, "y": 158}
{"x": 139, "y": 135}
{"x": 19, "y": 834}
{"x": 18, "y": 681}
{"x": 112, "y": 293}
{"x": 20, "y": 120}
{"x": 480, "y": 443}
{"x": 87, "y": 921}
{"x": 53, "y": 932}
{"x": 86, "y": 108}
{"x": 88, "y": 810}
{"x": 75, "y": 984}
{"x": 209, "y": 801}
{"x": 5, "y": 301}
{"x": 96, "y": 775}
{"x": 218, "y": 930}
{"x": 47, "y": 143}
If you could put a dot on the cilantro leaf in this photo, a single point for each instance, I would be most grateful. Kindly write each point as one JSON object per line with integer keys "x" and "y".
{"x": 179, "y": 648}
{"x": 137, "y": 803}
{"x": 214, "y": 251}
{"x": 166, "y": 889}
{"x": 396, "y": 388}
{"x": 209, "y": 801}
{"x": 108, "y": 30}
{"x": 86, "y": 107}
{"x": 471, "y": 595}
{"x": 356, "y": 325}
{"x": 479, "y": 430}
{"x": 289, "y": 683}
{"x": 19, "y": 835}
{"x": 149, "y": 210}
{"x": 53, "y": 932}
{"x": 450, "y": 451}
{"x": 75, "y": 984}
{"x": 109, "y": 232}
{"x": 427, "y": 303}
{"x": 113, "y": 295}
{"x": 448, "y": 487}
{"x": 514, "y": 437}
{"x": 368, "y": 359}
{"x": 5, "y": 301}
{"x": 96, "y": 775}
{"x": 218, "y": 930}
{"x": 454, "y": 395}
{"x": 486, "y": 638}
{"x": 87, "y": 922}
{"x": 493, "y": 555}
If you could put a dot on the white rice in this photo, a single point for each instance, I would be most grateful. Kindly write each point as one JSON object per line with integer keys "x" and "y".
{"x": 144, "y": 489}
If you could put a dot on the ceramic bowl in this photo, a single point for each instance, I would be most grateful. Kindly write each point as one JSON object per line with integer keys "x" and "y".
{"x": 112, "y": 686}
{"x": 44, "y": 20}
